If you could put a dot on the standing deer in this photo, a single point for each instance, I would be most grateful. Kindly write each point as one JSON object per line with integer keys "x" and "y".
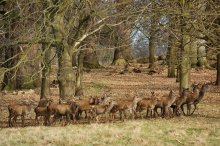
{"x": 202, "y": 91}
{"x": 191, "y": 96}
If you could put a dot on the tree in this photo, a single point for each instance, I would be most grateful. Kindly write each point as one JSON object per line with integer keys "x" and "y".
{"x": 79, "y": 73}
{"x": 123, "y": 31}
{"x": 45, "y": 80}
{"x": 152, "y": 40}
{"x": 218, "y": 70}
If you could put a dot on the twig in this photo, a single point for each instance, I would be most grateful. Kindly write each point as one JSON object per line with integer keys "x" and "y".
{"x": 179, "y": 141}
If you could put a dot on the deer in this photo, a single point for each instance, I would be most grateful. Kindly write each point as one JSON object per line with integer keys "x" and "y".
{"x": 98, "y": 110}
{"x": 16, "y": 110}
{"x": 164, "y": 103}
{"x": 197, "y": 100}
{"x": 191, "y": 96}
{"x": 85, "y": 105}
{"x": 123, "y": 105}
{"x": 147, "y": 104}
{"x": 41, "y": 110}
{"x": 59, "y": 110}
{"x": 180, "y": 101}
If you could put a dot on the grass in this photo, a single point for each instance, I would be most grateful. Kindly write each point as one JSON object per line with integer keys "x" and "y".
{"x": 175, "y": 131}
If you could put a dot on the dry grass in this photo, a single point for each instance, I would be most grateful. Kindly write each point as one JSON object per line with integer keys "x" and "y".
{"x": 176, "y": 131}
{"x": 203, "y": 128}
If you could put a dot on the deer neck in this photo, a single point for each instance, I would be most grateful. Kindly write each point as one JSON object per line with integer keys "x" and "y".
{"x": 172, "y": 98}
{"x": 201, "y": 95}
{"x": 108, "y": 109}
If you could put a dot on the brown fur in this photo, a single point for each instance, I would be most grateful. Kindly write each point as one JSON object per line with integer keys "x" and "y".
{"x": 16, "y": 110}
{"x": 58, "y": 110}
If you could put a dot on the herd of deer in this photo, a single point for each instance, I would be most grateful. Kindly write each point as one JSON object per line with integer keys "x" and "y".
{"x": 95, "y": 107}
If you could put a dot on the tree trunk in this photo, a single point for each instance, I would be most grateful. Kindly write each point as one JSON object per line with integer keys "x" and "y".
{"x": 45, "y": 80}
{"x": 178, "y": 74}
{"x": 218, "y": 70}
{"x": 185, "y": 46}
{"x": 171, "y": 59}
{"x": 185, "y": 62}
{"x": 202, "y": 61}
{"x": 152, "y": 43}
{"x": 122, "y": 33}
{"x": 193, "y": 53}
{"x": 79, "y": 74}
{"x": 66, "y": 75}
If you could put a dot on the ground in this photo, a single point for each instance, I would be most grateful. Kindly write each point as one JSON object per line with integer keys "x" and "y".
{"x": 203, "y": 128}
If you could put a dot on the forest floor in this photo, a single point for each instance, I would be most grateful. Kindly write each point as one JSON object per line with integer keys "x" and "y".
{"x": 202, "y": 128}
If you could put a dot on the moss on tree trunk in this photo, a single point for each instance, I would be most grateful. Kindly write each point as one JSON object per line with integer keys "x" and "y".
{"x": 185, "y": 65}
{"x": 45, "y": 80}
{"x": 79, "y": 74}
{"x": 66, "y": 74}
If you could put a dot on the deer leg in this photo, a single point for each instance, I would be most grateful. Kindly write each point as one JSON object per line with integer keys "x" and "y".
{"x": 22, "y": 118}
{"x": 131, "y": 113}
{"x": 120, "y": 114}
{"x": 188, "y": 109}
{"x": 166, "y": 111}
{"x": 45, "y": 120}
{"x": 97, "y": 118}
{"x": 195, "y": 107}
{"x": 155, "y": 112}
{"x": 147, "y": 113}
{"x": 161, "y": 111}
{"x": 125, "y": 116}
{"x": 14, "y": 119}
{"x": 48, "y": 119}
{"x": 85, "y": 114}
{"x": 182, "y": 109}
{"x": 10, "y": 119}
{"x": 151, "y": 113}
{"x": 177, "y": 111}
{"x": 170, "y": 112}
{"x": 134, "y": 114}
{"x": 36, "y": 120}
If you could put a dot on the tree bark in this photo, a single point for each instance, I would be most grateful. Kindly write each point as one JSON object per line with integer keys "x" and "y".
{"x": 171, "y": 59}
{"x": 185, "y": 65}
{"x": 45, "y": 80}
{"x": 122, "y": 33}
{"x": 218, "y": 70}
{"x": 66, "y": 75}
{"x": 152, "y": 43}
{"x": 79, "y": 74}
{"x": 202, "y": 61}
